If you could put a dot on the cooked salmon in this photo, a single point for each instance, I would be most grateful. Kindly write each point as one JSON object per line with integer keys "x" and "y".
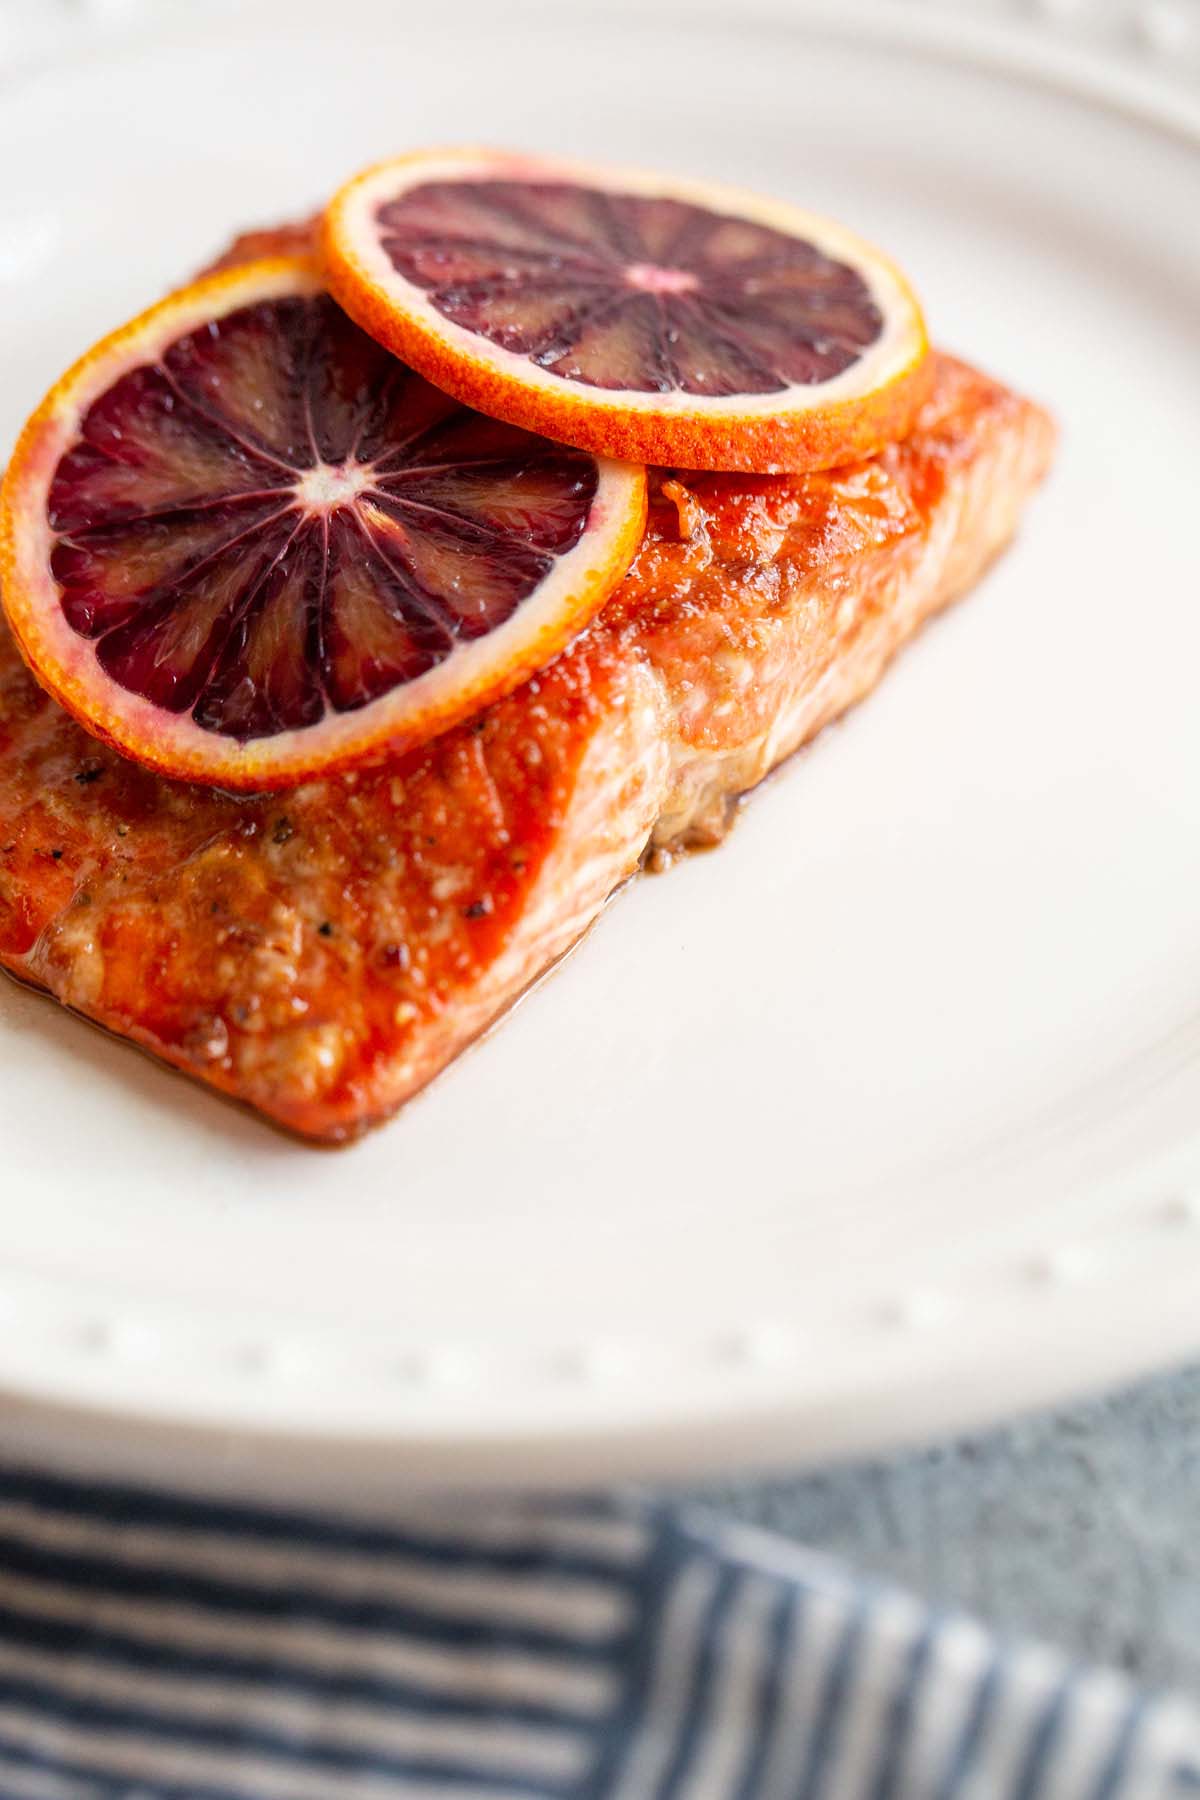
{"x": 322, "y": 954}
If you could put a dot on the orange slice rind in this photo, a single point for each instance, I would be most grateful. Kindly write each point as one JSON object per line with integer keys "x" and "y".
{"x": 245, "y": 545}
{"x": 657, "y": 320}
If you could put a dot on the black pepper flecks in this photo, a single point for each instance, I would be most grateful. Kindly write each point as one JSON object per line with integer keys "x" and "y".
{"x": 90, "y": 772}
{"x": 325, "y": 929}
{"x": 478, "y": 908}
{"x": 283, "y": 832}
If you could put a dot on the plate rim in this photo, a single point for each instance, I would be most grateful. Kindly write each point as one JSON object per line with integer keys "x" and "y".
{"x": 245, "y": 1444}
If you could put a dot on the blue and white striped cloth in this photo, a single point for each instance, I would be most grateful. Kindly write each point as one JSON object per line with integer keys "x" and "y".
{"x": 154, "y": 1648}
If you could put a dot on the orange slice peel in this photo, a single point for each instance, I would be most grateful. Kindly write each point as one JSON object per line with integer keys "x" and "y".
{"x": 665, "y": 321}
{"x": 244, "y": 545}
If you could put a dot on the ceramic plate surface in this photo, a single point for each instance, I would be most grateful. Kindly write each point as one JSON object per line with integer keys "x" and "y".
{"x": 880, "y": 1121}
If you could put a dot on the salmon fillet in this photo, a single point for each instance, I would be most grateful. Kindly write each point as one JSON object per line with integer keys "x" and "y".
{"x": 321, "y": 954}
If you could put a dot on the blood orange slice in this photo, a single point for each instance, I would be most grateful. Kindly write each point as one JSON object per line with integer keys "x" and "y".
{"x": 244, "y": 544}
{"x": 665, "y": 321}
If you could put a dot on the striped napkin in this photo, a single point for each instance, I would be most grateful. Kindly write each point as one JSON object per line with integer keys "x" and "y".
{"x": 155, "y": 1648}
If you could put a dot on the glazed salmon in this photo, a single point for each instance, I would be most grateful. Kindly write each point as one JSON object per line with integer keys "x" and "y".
{"x": 320, "y": 955}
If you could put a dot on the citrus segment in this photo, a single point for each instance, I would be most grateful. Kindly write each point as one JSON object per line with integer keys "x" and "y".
{"x": 245, "y": 544}
{"x": 670, "y": 322}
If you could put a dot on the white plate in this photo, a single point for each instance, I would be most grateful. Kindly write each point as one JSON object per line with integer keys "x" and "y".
{"x": 876, "y": 1123}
